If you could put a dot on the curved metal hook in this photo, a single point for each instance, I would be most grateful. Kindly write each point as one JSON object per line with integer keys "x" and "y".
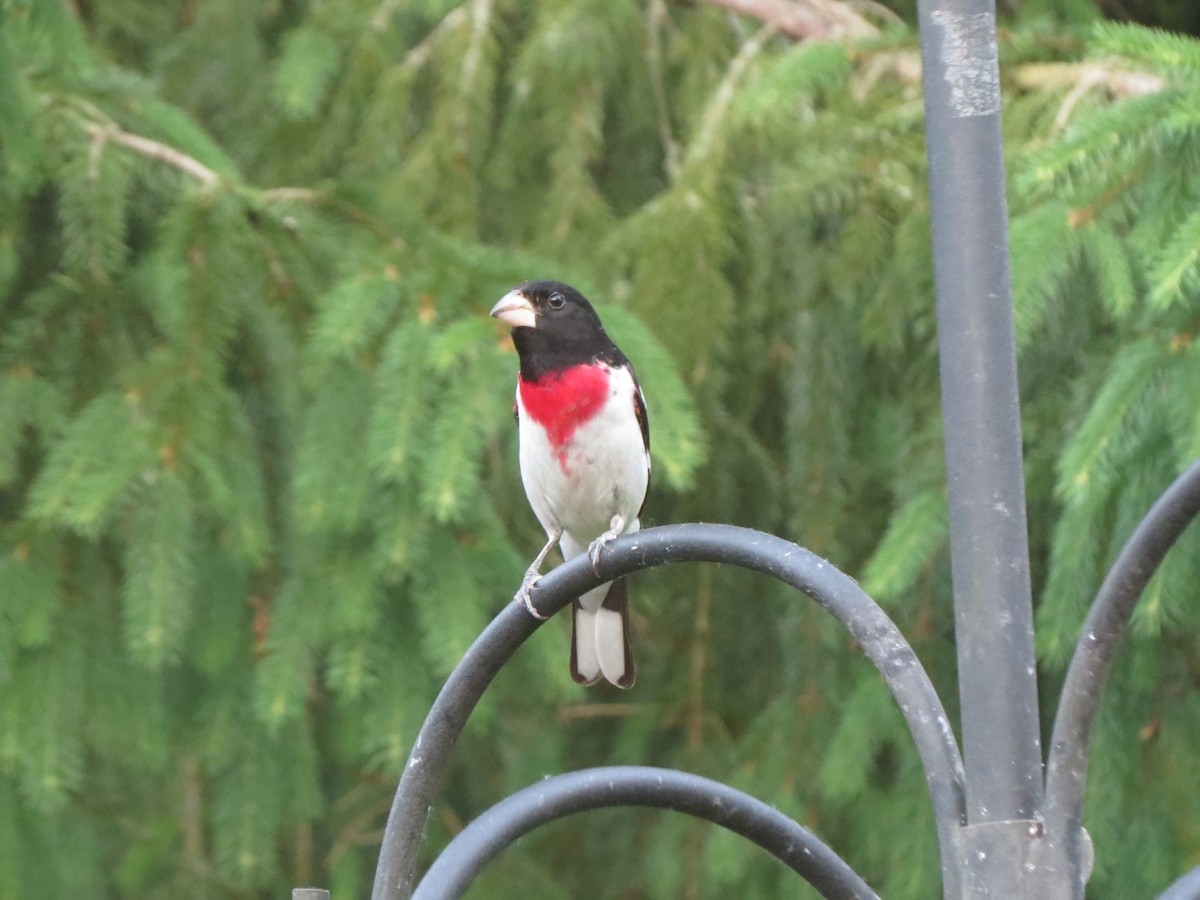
{"x": 522, "y": 812}
{"x": 878, "y": 636}
{"x": 1186, "y": 888}
{"x": 1070, "y": 743}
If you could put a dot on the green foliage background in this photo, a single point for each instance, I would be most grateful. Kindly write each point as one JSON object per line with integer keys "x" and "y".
{"x": 258, "y": 489}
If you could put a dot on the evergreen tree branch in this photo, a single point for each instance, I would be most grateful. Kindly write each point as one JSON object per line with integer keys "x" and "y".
{"x": 879, "y": 10}
{"x": 303, "y": 842}
{"x": 192, "y": 816}
{"x": 1114, "y": 9}
{"x": 807, "y": 19}
{"x": 718, "y": 106}
{"x": 382, "y": 16}
{"x": 481, "y": 14}
{"x": 423, "y": 49}
{"x": 360, "y": 831}
{"x": 899, "y": 65}
{"x": 351, "y": 211}
{"x": 656, "y": 16}
{"x": 698, "y": 664}
{"x": 694, "y": 720}
{"x": 154, "y": 150}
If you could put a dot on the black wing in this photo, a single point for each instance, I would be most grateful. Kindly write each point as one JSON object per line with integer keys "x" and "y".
{"x": 639, "y": 410}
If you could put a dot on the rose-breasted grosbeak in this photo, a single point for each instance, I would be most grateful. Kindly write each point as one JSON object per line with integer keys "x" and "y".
{"x": 585, "y": 456}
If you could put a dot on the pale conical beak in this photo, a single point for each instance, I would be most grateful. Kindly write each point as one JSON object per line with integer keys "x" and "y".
{"x": 515, "y": 309}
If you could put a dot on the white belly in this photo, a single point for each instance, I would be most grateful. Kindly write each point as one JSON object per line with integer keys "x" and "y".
{"x": 601, "y": 471}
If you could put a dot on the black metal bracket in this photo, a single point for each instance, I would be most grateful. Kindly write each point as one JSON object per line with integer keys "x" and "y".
{"x": 840, "y": 595}
{"x": 1045, "y": 856}
{"x": 518, "y": 814}
{"x": 1105, "y": 626}
{"x": 1186, "y": 888}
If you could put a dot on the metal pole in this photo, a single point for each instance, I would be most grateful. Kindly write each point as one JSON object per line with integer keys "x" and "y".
{"x": 981, "y": 413}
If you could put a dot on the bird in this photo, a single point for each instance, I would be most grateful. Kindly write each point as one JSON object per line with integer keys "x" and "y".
{"x": 584, "y": 440}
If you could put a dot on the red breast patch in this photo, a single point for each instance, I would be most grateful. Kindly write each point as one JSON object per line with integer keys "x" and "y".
{"x": 563, "y": 401}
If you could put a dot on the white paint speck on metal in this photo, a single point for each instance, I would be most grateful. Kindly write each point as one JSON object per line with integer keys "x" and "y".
{"x": 972, "y": 69}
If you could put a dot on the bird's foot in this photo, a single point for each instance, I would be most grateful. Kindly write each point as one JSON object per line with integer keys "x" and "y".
{"x": 596, "y": 547}
{"x": 522, "y": 595}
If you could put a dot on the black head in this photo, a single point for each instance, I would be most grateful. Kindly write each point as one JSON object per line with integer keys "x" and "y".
{"x": 554, "y": 327}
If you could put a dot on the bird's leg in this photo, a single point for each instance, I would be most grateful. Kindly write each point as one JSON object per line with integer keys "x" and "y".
{"x": 615, "y": 526}
{"x": 533, "y": 573}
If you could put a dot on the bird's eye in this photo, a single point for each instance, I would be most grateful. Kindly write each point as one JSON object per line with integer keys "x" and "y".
{"x": 557, "y": 300}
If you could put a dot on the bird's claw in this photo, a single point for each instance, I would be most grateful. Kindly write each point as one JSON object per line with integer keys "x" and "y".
{"x": 522, "y": 595}
{"x": 596, "y": 547}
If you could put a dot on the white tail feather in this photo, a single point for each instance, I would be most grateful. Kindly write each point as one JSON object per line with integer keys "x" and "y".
{"x": 609, "y": 644}
{"x": 586, "y": 661}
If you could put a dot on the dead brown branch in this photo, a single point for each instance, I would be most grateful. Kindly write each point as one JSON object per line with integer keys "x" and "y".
{"x": 154, "y": 150}
{"x": 1084, "y": 77}
{"x": 597, "y": 710}
{"x": 806, "y": 19}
